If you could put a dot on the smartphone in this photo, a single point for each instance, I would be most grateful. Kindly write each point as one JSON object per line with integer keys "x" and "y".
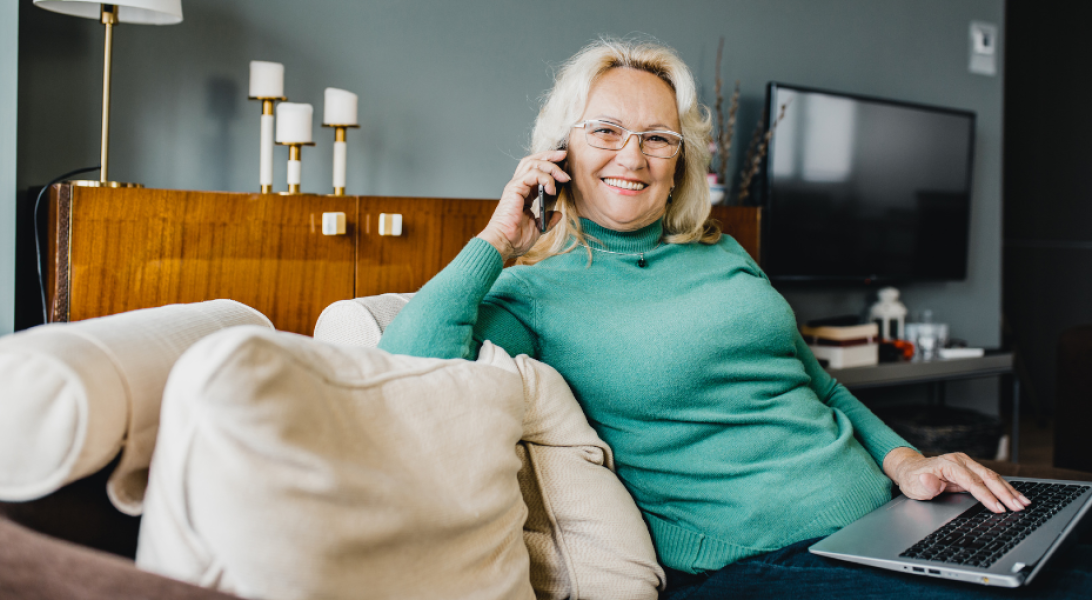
{"x": 546, "y": 203}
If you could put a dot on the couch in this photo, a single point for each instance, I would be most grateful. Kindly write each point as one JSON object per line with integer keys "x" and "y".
{"x": 74, "y": 543}
{"x": 575, "y": 521}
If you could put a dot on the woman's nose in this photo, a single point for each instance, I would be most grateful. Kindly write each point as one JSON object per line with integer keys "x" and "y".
{"x": 629, "y": 155}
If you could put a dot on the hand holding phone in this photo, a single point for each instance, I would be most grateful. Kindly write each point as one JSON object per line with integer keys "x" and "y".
{"x": 516, "y": 224}
{"x": 546, "y": 204}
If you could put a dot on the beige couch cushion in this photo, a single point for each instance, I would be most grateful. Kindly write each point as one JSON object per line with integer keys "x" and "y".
{"x": 74, "y": 394}
{"x": 287, "y": 468}
{"x": 584, "y": 533}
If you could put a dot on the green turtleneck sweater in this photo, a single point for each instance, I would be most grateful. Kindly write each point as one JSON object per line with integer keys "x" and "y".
{"x": 731, "y": 438}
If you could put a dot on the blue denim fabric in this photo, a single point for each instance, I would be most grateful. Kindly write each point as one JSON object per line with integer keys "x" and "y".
{"x": 793, "y": 572}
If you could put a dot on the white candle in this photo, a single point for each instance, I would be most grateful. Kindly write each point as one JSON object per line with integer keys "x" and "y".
{"x": 294, "y": 123}
{"x": 340, "y": 107}
{"x": 295, "y": 169}
{"x": 265, "y": 155}
{"x": 266, "y": 79}
{"x": 341, "y": 153}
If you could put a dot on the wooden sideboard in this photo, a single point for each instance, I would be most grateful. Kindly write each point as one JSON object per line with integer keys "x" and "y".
{"x": 112, "y": 250}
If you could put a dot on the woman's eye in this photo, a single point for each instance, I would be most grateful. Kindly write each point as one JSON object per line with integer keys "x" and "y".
{"x": 605, "y": 131}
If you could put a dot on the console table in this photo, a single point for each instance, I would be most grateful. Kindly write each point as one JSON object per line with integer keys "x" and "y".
{"x": 112, "y": 250}
{"x": 937, "y": 372}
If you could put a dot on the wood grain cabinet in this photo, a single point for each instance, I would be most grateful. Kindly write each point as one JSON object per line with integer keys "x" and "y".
{"x": 114, "y": 250}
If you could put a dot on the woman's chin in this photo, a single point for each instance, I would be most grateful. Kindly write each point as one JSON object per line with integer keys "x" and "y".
{"x": 626, "y": 222}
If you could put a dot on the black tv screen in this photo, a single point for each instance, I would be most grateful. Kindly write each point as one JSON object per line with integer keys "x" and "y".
{"x": 867, "y": 190}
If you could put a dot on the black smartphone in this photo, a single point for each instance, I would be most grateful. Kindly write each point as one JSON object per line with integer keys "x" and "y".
{"x": 546, "y": 203}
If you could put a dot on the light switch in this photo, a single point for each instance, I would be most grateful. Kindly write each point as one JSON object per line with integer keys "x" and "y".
{"x": 390, "y": 224}
{"x": 333, "y": 223}
{"x": 983, "y": 48}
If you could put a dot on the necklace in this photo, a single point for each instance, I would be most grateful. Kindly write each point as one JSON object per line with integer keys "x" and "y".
{"x": 641, "y": 262}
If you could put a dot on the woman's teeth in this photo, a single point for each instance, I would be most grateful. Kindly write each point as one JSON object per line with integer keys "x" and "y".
{"x": 622, "y": 183}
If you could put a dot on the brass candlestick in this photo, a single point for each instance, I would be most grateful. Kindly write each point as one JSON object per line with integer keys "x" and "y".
{"x": 341, "y": 152}
{"x": 265, "y": 154}
{"x": 295, "y": 165}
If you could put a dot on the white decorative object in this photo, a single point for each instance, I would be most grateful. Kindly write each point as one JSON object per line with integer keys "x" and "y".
{"x": 267, "y": 85}
{"x": 294, "y": 123}
{"x": 333, "y": 223}
{"x": 339, "y": 108}
{"x": 294, "y": 131}
{"x": 266, "y": 79}
{"x": 889, "y": 314}
{"x": 716, "y": 188}
{"x": 390, "y": 224}
{"x": 339, "y": 112}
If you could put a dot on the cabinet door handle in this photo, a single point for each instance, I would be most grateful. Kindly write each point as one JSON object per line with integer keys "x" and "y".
{"x": 333, "y": 223}
{"x": 390, "y": 224}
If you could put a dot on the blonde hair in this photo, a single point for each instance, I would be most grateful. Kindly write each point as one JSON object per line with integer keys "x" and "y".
{"x": 687, "y": 217}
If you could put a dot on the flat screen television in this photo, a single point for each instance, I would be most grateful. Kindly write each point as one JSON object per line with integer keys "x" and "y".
{"x": 865, "y": 190}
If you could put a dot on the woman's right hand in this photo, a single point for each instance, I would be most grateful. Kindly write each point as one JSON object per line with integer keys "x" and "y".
{"x": 512, "y": 229}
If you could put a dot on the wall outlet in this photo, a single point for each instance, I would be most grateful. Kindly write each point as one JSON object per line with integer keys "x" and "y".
{"x": 983, "y": 48}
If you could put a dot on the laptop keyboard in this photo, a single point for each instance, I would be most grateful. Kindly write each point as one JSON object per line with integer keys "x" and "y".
{"x": 978, "y": 537}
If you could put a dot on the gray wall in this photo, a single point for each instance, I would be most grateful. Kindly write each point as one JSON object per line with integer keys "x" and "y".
{"x": 448, "y": 91}
{"x": 9, "y": 69}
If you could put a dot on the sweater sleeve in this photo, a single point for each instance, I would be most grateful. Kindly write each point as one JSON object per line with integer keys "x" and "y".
{"x": 876, "y": 437}
{"x": 447, "y": 317}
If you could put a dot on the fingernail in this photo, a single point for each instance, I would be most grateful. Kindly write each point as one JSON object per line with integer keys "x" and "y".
{"x": 1001, "y": 507}
{"x": 1025, "y": 500}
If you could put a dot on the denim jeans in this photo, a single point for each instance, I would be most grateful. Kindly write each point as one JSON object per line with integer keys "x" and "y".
{"x": 793, "y": 572}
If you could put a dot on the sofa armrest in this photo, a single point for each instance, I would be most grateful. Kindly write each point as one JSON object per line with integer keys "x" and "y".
{"x": 34, "y": 566}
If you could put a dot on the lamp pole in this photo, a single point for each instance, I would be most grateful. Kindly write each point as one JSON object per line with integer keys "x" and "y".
{"x": 109, "y": 18}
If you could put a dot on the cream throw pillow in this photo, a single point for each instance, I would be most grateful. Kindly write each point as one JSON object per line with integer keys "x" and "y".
{"x": 288, "y": 469}
{"x": 75, "y": 394}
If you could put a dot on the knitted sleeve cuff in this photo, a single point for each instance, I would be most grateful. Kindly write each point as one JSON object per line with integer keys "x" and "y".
{"x": 480, "y": 264}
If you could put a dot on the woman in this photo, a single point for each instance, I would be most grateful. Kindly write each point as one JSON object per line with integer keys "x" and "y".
{"x": 733, "y": 441}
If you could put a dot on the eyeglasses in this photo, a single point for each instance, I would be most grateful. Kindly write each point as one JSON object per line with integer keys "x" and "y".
{"x": 608, "y": 136}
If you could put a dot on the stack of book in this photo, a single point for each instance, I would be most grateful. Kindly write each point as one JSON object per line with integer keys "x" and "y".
{"x": 841, "y": 347}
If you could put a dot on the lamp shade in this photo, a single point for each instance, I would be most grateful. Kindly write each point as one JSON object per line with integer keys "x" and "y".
{"x": 139, "y": 12}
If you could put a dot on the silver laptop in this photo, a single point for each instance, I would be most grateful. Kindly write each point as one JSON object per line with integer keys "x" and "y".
{"x": 954, "y": 537}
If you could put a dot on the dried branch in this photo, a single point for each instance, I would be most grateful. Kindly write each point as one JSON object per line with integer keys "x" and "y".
{"x": 719, "y": 105}
{"x": 757, "y": 151}
{"x": 724, "y": 143}
{"x": 724, "y": 130}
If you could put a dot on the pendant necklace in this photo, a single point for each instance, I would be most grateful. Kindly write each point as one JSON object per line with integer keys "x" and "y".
{"x": 641, "y": 262}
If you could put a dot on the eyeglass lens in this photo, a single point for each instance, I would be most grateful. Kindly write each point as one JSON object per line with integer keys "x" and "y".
{"x": 613, "y": 137}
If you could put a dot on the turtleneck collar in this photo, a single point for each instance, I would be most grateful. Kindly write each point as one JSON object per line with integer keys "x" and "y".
{"x": 641, "y": 240}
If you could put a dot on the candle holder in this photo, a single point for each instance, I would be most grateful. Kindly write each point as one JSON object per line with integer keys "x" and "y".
{"x": 265, "y": 173}
{"x": 295, "y": 165}
{"x": 341, "y": 154}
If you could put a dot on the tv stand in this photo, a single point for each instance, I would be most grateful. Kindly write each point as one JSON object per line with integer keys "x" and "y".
{"x": 937, "y": 373}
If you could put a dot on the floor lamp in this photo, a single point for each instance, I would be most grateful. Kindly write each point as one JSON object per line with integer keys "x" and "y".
{"x": 140, "y": 12}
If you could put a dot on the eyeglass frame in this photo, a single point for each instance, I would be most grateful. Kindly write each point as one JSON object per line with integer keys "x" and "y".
{"x": 629, "y": 132}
